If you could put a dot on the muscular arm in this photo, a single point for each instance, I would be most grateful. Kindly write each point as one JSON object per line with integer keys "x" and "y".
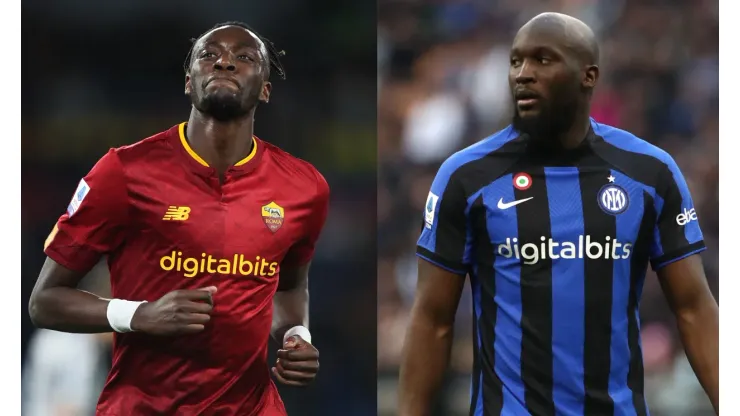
{"x": 57, "y": 304}
{"x": 290, "y": 304}
{"x": 697, "y": 314}
{"x": 426, "y": 351}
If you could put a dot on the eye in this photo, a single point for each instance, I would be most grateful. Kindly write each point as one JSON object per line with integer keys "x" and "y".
{"x": 514, "y": 62}
{"x": 543, "y": 60}
{"x": 207, "y": 54}
{"x": 245, "y": 58}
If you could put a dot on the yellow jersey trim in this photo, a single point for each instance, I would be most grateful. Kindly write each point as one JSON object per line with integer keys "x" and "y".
{"x": 191, "y": 152}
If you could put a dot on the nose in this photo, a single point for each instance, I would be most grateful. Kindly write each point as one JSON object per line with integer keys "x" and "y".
{"x": 525, "y": 74}
{"x": 225, "y": 62}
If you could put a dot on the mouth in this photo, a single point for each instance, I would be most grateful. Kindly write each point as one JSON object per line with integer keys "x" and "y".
{"x": 526, "y": 99}
{"x": 223, "y": 81}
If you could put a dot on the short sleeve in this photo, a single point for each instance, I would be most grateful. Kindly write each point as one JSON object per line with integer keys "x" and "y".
{"x": 677, "y": 234}
{"x": 302, "y": 252}
{"x": 96, "y": 218}
{"x": 444, "y": 239}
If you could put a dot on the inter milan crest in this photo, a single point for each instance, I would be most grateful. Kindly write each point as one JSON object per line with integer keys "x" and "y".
{"x": 273, "y": 215}
{"x": 613, "y": 199}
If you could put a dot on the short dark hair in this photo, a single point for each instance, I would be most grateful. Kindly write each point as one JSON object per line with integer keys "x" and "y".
{"x": 273, "y": 55}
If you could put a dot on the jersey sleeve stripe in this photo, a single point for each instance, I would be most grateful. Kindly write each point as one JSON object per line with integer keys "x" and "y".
{"x": 680, "y": 254}
{"x": 450, "y": 266}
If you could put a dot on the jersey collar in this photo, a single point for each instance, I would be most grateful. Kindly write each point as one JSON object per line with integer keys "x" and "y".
{"x": 201, "y": 166}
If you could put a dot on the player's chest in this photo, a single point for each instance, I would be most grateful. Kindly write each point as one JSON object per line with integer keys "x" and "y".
{"x": 561, "y": 207}
{"x": 194, "y": 215}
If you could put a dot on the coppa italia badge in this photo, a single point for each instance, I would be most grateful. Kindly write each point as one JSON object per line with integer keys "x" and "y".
{"x": 273, "y": 215}
{"x": 522, "y": 181}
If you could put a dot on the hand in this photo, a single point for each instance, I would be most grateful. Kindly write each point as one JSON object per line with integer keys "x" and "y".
{"x": 176, "y": 313}
{"x": 297, "y": 363}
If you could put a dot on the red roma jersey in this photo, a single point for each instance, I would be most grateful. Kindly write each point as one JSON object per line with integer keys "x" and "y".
{"x": 165, "y": 222}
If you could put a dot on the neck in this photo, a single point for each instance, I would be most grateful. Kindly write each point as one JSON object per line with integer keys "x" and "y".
{"x": 220, "y": 143}
{"x": 574, "y": 136}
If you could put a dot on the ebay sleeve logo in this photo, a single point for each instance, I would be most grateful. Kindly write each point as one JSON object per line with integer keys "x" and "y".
{"x": 686, "y": 216}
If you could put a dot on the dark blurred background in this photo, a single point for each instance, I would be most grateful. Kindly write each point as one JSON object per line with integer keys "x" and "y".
{"x": 103, "y": 74}
{"x": 443, "y": 68}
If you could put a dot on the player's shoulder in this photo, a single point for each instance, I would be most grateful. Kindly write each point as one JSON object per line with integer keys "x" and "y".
{"x": 301, "y": 172}
{"x": 490, "y": 151}
{"x": 143, "y": 147}
{"x": 624, "y": 140}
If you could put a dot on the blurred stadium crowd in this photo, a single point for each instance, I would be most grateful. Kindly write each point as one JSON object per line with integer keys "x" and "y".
{"x": 442, "y": 75}
{"x": 99, "y": 75}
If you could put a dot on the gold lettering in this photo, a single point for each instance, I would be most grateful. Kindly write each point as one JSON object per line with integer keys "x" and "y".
{"x": 211, "y": 260}
{"x": 241, "y": 266}
{"x": 170, "y": 259}
{"x": 224, "y": 267}
{"x": 191, "y": 266}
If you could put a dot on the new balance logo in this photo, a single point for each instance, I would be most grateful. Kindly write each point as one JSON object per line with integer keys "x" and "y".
{"x": 507, "y": 205}
{"x": 176, "y": 213}
{"x": 686, "y": 216}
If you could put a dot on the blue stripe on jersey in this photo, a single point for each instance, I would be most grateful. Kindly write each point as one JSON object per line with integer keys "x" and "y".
{"x": 428, "y": 237}
{"x": 508, "y": 340}
{"x": 476, "y": 289}
{"x": 628, "y": 226}
{"x": 568, "y": 303}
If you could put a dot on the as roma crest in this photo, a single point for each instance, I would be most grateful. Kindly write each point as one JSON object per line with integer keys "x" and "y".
{"x": 273, "y": 215}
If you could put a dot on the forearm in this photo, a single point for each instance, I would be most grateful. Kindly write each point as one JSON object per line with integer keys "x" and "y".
{"x": 426, "y": 355}
{"x": 69, "y": 310}
{"x": 699, "y": 329}
{"x": 290, "y": 308}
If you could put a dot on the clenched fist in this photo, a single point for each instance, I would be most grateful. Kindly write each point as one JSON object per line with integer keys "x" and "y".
{"x": 176, "y": 313}
{"x": 297, "y": 363}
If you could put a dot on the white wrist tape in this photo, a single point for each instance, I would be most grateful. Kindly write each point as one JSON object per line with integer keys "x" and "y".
{"x": 120, "y": 312}
{"x": 299, "y": 330}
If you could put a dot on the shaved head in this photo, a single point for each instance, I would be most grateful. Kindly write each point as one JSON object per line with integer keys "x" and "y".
{"x": 570, "y": 32}
{"x": 552, "y": 74}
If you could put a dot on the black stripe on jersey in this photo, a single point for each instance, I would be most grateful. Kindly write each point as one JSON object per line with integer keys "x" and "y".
{"x": 598, "y": 288}
{"x": 635, "y": 377}
{"x": 476, "y": 366}
{"x": 493, "y": 399}
{"x": 654, "y": 173}
{"x": 536, "y": 289}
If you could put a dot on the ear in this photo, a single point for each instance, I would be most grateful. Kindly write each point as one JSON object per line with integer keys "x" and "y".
{"x": 188, "y": 86}
{"x": 591, "y": 76}
{"x": 265, "y": 93}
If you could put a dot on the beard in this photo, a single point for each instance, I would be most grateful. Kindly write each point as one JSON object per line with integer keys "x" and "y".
{"x": 221, "y": 105}
{"x": 555, "y": 117}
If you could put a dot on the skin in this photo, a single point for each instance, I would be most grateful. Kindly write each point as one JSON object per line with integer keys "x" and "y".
{"x": 230, "y": 67}
{"x": 298, "y": 361}
{"x": 229, "y": 64}
{"x": 554, "y": 57}
{"x": 549, "y": 52}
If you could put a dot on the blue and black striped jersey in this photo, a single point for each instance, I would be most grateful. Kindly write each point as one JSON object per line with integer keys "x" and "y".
{"x": 557, "y": 246}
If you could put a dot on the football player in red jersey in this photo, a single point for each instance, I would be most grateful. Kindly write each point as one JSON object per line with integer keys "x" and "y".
{"x": 209, "y": 233}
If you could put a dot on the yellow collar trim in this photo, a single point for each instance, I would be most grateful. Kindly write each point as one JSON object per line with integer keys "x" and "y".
{"x": 191, "y": 152}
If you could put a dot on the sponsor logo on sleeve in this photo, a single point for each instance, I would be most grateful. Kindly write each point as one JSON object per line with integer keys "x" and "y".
{"x": 686, "y": 216}
{"x": 430, "y": 210}
{"x": 82, "y": 190}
